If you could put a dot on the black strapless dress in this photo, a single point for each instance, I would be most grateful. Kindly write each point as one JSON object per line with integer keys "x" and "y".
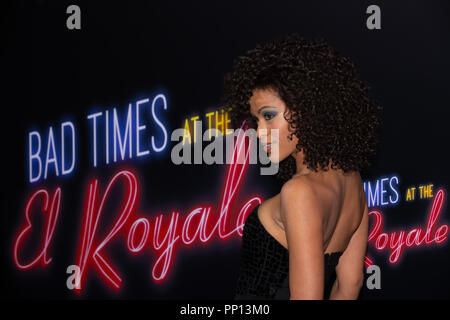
{"x": 264, "y": 265}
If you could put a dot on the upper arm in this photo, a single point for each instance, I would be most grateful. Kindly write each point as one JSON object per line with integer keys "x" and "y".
{"x": 350, "y": 269}
{"x": 302, "y": 214}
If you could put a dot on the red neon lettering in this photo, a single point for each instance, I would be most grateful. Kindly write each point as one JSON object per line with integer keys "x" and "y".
{"x": 397, "y": 240}
{"x": 132, "y": 234}
{"x": 91, "y": 219}
{"x": 164, "y": 239}
{"x": 52, "y": 216}
{"x": 196, "y": 226}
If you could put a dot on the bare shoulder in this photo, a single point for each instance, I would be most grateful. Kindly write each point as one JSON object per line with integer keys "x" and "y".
{"x": 299, "y": 197}
{"x": 296, "y": 186}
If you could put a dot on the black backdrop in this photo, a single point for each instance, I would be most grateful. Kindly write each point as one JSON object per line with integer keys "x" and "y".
{"x": 128, "y": 50}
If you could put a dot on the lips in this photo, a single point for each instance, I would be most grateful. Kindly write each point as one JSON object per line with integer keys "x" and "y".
{"x": 267, "y": 146}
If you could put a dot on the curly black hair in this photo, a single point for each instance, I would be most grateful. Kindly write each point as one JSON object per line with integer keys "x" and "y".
{"x": 332, "y": 114}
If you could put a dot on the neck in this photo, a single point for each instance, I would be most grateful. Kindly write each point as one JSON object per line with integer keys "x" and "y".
{"x": 302, "y": 169}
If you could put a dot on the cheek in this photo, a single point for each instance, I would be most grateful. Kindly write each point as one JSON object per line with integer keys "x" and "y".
{"x": 285, "y": 133}
{"x": 282, "y": 126}
{"x": 286, "y": 145}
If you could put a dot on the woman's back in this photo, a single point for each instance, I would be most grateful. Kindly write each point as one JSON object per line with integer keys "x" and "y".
{"x": 342, "y": 195}
{"x": 264, "y": 235}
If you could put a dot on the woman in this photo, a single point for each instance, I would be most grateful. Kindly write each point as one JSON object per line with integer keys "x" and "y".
{"x": 310, "y": 240}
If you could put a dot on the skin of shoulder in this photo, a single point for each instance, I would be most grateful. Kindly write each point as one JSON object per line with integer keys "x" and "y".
{"x": 299, "y": 193}
{"x": 302, "y": 213}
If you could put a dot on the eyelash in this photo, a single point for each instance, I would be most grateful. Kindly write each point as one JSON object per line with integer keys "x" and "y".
{"x": 271, "y": 115}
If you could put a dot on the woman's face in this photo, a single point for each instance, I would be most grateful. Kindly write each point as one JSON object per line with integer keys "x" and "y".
{"x": 267, "y": 110}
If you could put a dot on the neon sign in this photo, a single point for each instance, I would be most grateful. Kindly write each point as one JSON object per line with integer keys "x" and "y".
{"x": 398, "y": 240}
{"x": 121, "y": 134}
{"x": 162, "y": 235}
{"x": 164, "y": 240}
{"x": 35, "y": 160}
{"x": 52, "y": 213}
{"x": 111, "y": 138}
{"x": 376, "y": 191}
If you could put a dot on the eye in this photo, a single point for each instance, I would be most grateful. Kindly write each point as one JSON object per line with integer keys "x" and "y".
{"x": 269, "y": 115}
